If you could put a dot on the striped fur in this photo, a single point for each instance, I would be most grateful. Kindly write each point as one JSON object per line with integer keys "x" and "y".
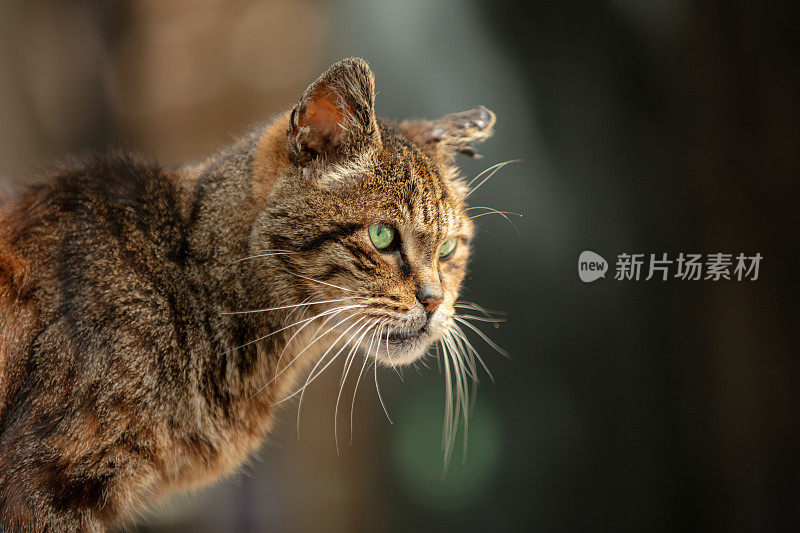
{"x": 150, "y": 319}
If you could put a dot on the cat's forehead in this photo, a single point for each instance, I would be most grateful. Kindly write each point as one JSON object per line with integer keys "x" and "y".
{"x": 415, "y": 182}
{"x": 406, "y": 166}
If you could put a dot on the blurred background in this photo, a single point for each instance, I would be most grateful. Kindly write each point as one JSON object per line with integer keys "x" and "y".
{"x": 658, "y": 126}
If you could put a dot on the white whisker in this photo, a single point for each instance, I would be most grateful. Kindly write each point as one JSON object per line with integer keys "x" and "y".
{"x": 483, "y": 336}
{"x": 278, "y": 331}
{"x": 503, "y": 214}
{"x": 313, "y": 340}
{"x": 375, "y": 333}
{"x": 488, "y": 313}
{"x": 448, "y": 430}
{"x": 312, "y": 376}
{"x": 492, "y": 167}
{"x": 457, "y": 330}
{"x": 266, "y": 309}
{"x": 377, "y": 386}
{"x": 295, "y": 309}
{"x": 332, "y": 314}
{"x": 267, "y": 253}
{"x": 348, "y": 363}
{"x": 494, "y": 321}
{"x": 498, "y": 212}
{"x": 376, "y": 337}
{"x": 318, "y": 281}
{"x": 465, "y": 355}
{"x": 493, "y": 172}
{"x": 461, "y": 391}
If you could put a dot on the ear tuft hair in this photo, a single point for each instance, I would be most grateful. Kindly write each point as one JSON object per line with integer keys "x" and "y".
{"x": 335, "y": 117}
{"x": 452, "y": 133}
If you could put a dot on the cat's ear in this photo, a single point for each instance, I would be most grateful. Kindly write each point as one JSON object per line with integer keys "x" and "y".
{"x": 335, "y": 117}
{"x": 456, "y": 132}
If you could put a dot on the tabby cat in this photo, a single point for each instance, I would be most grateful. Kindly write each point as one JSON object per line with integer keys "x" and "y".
{"x": 151, "y": 318}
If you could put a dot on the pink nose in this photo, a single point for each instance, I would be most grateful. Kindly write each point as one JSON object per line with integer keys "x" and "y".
{"x": 431, "y": 305}
{"x": 430, "y": 296}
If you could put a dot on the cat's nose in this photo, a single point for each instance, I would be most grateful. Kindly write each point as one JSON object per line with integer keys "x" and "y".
{"x": 430, "y": 296}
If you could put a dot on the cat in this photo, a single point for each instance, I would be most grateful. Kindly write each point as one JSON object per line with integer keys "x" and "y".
{"x": 152, "y": 317}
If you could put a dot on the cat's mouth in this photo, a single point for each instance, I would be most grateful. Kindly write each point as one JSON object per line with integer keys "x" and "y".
{"x": 406, "y": 343}
{"x": 406, "y": 336}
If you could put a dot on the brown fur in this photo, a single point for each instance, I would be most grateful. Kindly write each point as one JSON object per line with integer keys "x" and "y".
{"x": 123, "y": 375}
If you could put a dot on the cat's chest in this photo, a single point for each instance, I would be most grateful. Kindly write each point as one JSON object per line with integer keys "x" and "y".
{"x": 200, "y": 457}
{"x": 214, "y": 446}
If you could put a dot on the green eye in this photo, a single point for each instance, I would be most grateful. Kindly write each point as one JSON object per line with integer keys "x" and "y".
{"x": 448, "y": 247}
{"x": 382, "y": 236}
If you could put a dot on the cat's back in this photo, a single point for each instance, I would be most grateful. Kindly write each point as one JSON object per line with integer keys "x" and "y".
{"x": 97, "y": 313}
{"x": 17, "y": 310}
{"x": 87, "y": 236}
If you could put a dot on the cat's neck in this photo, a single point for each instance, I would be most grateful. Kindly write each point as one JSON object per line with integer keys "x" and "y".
{"x": 223, "y": 196}
{"x": 223, "y": 193}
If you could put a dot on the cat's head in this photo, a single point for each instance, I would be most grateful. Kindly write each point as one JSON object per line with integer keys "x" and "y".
{"x": 371, "y": 219}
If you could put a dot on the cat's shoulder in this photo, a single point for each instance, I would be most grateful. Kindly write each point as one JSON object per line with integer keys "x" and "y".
{"x": 119, "y": 178}
{"x": 110, "y": 186}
